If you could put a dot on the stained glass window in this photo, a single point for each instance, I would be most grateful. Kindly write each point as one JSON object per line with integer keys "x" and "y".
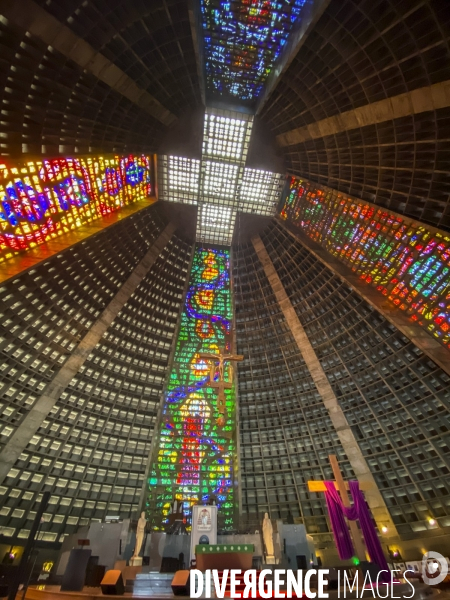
{"x": 225, "y": 136}
{"x": 194, "y": 457}
{"x": 219, "y": 180}
{"x": 220, "y": 184}
{"x": 215, "y": 223}
{"x": 40, "y": 200}
{"x": 406, "y": 261}
{"x": 243, "y": 39}
{"x": 260, "y": 191}
{"x": 184, "y": 176}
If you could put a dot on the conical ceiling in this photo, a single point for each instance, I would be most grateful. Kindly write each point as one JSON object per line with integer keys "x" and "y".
{"x": 373, "y": 61}
{"x": 363, "y": 106}
{"x": 81, "y": 77}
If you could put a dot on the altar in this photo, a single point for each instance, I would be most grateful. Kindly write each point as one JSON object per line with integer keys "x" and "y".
{"x": 224, "y": 556}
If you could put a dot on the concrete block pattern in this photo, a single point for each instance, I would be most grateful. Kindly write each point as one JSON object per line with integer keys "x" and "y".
{"x": 348, "y": 441}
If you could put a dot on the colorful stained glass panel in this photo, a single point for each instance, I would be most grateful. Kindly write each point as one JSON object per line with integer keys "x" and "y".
{"x": 194, "y": 457}
{"x": 243, "y": 39}
{"x": 405, "y": 260}
{"x": 40, "y": 200}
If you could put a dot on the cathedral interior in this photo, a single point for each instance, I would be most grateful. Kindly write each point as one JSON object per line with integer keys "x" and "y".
{"x": 264, "y": 182}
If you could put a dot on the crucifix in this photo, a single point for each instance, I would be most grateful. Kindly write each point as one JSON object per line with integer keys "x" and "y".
{"x": 341, "y": 486}
{"x": 220, "y": 384}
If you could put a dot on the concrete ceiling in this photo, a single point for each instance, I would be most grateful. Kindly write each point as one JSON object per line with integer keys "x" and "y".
{"x": 364, "y": 107}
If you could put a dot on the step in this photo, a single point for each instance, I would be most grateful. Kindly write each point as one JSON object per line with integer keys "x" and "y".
{"x": 151, "y": 585}
{"x": 154, "y": 576}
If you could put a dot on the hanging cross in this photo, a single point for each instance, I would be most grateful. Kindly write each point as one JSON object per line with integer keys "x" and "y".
{"x": 221, "y": 384}
{"x": 342, "y": 486}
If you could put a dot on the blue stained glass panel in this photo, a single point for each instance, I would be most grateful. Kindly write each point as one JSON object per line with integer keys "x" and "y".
{"x": 243, "y": 39}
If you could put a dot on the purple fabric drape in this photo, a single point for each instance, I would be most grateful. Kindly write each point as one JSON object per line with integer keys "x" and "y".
{"x": 338, "y": 524}
{"x": 360, "y": 511}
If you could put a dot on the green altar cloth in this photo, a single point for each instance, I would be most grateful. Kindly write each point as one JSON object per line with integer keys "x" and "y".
{"x": 220, "y": 548}
{"x": 224, "y": 556}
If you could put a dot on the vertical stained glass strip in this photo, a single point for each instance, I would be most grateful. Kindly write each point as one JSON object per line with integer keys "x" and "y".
{"x": 243, "y": 39}
{"x": 194, "y": 457}
{"x": 40, "y": 200}
{"x": 406, "y": 261}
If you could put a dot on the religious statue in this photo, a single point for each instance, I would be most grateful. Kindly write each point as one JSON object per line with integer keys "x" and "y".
{"x": 267, "y": 530}
{"x": 140, "y": 532}
{"x": 176, "y": 508}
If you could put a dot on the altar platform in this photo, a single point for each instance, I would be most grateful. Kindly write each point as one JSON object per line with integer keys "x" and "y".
{"x": 224, "y": 556}
{"x": 151, "y": 585}
{"x": 164, "y": 592}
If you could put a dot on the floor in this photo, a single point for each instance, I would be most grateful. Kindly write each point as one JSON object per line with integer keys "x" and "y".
{"x": 422, "y": 592}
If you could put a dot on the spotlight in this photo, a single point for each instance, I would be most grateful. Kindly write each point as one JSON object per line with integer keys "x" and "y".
{"x": 384, "y": 529}
{"x": 394, "y": 554}
{"x": 432, "y": 521}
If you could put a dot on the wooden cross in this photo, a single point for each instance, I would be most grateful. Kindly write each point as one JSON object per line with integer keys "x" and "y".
{"x": 342, "y": 486}
{"x": 221, "y": 384}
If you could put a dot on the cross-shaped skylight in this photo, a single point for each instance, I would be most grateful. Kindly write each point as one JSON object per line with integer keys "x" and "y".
{"x": 220, "y": 183}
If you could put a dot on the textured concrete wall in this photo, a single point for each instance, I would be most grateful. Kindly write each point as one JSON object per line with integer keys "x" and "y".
{"x": 340, "y": 423}
{"x": 54, "y": 389}
{"x": 417, "y": 101}
{"x": 30, "y": 16}
{"x": 413, "y": 331}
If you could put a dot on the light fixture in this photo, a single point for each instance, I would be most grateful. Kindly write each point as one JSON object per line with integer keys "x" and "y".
{"x": 47, "y": 566}
{"x": 384, "y": 529}
{"x": 432, "y": 521}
